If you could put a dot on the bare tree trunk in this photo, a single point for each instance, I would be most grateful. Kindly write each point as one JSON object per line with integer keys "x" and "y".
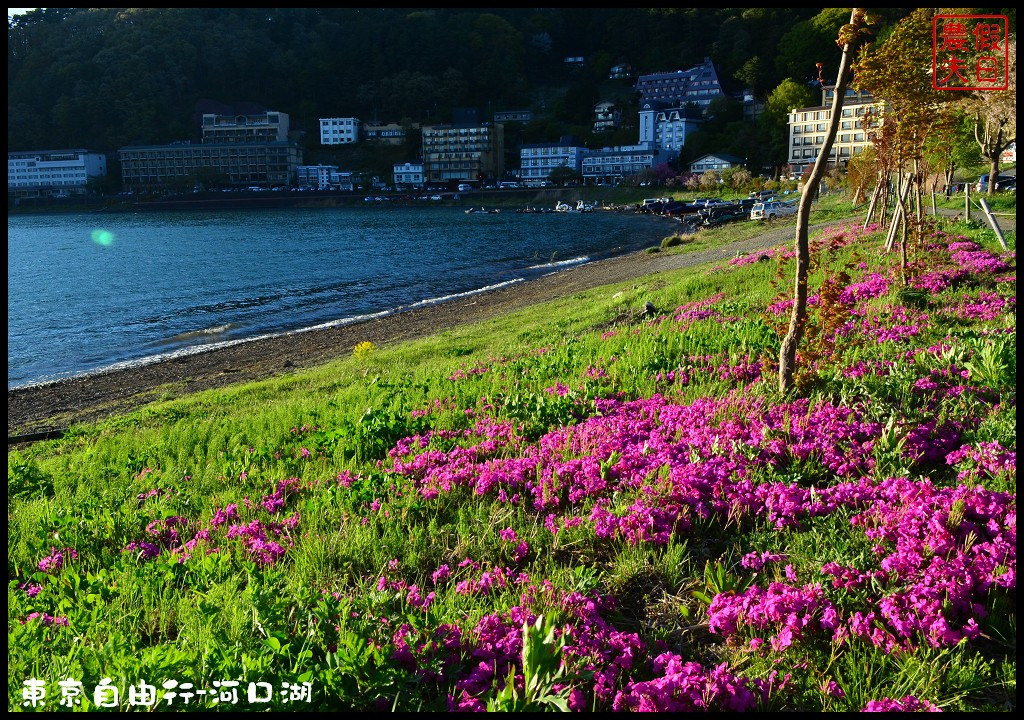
{"x": 797, "y": 320}
{"x": 993, "y": 173}
{"x": 918, "y": 178}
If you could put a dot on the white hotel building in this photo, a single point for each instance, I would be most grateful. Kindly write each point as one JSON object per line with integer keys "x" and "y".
{"x": 611, "y": 164}
{"x": 39, "y": 173}
{"x": 537, "y": 161}
{"x": 339, "y": 131}
{"x": 665, "y": 126}
{"x": 408, "y": 175}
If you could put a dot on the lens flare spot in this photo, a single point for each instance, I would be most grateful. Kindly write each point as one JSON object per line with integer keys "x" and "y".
{"x": 103, "y": 237}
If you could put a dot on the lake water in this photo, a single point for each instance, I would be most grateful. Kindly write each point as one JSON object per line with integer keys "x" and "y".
{"x": 87, "y": 292}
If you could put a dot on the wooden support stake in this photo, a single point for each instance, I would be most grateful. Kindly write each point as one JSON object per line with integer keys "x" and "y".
{"x": 993, "y": 223}
{"x": 871, "y": 206}
{"x": 898, "y": 213}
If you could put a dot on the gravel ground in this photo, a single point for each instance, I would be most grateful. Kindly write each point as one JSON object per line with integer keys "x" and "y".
{"x": 93, "y": 397}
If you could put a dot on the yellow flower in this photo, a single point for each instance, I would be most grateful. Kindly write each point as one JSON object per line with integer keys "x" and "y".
{"x": 363, "y": 349}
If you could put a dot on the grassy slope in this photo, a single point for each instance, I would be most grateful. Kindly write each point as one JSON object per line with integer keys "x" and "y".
{"x": 226, "y": 616}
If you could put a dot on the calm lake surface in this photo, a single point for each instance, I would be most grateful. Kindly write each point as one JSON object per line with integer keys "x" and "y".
{"x": 87, "y": 292}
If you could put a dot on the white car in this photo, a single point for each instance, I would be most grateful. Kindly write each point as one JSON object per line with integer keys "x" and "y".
{"x": 772, "y": 209}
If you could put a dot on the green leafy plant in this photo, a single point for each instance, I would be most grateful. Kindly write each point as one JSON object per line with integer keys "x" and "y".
{"x": 994, "y": 364}
{"x": 542, "y": 670}
{"x": 25, "y": 479}
{"x": 717, "y": 580}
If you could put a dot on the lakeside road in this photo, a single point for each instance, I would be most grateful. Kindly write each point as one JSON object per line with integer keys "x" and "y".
{"x": 94, "y": 397}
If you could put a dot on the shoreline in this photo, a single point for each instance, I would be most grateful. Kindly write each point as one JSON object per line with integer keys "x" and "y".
{"x": 89, "y": 398}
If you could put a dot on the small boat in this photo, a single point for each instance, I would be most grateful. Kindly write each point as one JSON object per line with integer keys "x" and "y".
{"x": 482, "y": 211}
{"x": 564, "y": 207}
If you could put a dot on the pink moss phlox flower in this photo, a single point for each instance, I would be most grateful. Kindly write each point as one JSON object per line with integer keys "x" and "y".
{"x": 755, "y": 561}
{"x": 792, "y": 611}
{"x": 346, "y": 478}
{"x": 521, "y": 551}
{"x": 907, "y": 704}
{"x": 45, "y": 619}
{"x": 276, "y": 500}
{"x": 31, "y": 589}
{"x": 687, "y": 687}
{"x": 146, "y": 550}
{"x": 55, "y": 560}
{"x": 221, "y": 517}
{"x": 442, "y": 573}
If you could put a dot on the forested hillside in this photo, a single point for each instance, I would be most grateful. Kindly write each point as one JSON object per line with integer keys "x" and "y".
{"x": 103, "y": 78}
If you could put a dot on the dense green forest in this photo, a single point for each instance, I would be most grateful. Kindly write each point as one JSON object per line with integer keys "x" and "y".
{"x": 102, "y": 78}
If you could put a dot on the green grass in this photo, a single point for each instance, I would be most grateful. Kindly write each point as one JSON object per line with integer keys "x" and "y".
{"x": 318, "y": 614}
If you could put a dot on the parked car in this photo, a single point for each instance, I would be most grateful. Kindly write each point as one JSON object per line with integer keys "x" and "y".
{"x": 982, "y": 184}
{"x": 772, "y": 209}
{"x": 711, "y": 202}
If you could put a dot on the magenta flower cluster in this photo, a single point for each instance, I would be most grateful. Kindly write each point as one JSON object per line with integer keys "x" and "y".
{"x": 908, "y": 703}
{"x": 55, "y": 560}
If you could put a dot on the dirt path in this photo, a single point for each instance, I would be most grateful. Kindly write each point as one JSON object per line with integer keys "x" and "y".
{"x": 93, "y": 397}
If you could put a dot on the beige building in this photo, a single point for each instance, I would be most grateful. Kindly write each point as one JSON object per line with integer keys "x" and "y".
{"x": 454, "y": 152}
{"x": 808, "y": 128}
{"x": 265, "y": 127}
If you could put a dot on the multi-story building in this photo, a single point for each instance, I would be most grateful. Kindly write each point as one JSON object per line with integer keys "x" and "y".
{"x": 339, "y": 131}
{"x": 808, "y": 128}
{"x": 409, "y": 175}
{"x": 237, "y": 149}
{"x": 753, "y": 106}
{"x": 610, "y": 164}
{"x": 458, "y": 152}
{"x": 698, "y": 85}
{"x": 537, "y": 161}
{"x": 241, "y": 164}
{"x": 507, "y": 116}
{"x": 620, "y": 71}
{"x": 257, "y": 128}
{"x": 667, "y": 127}
{"x": 718, "y": 161}
{"x": 607, "y": 116}
{"x": 386, "y": 133}
{"x": 40, "y": 173}
{"x": 322, "y": 177}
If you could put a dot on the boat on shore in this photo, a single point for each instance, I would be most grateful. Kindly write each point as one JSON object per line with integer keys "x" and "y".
{"x": 581, "y": 206}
